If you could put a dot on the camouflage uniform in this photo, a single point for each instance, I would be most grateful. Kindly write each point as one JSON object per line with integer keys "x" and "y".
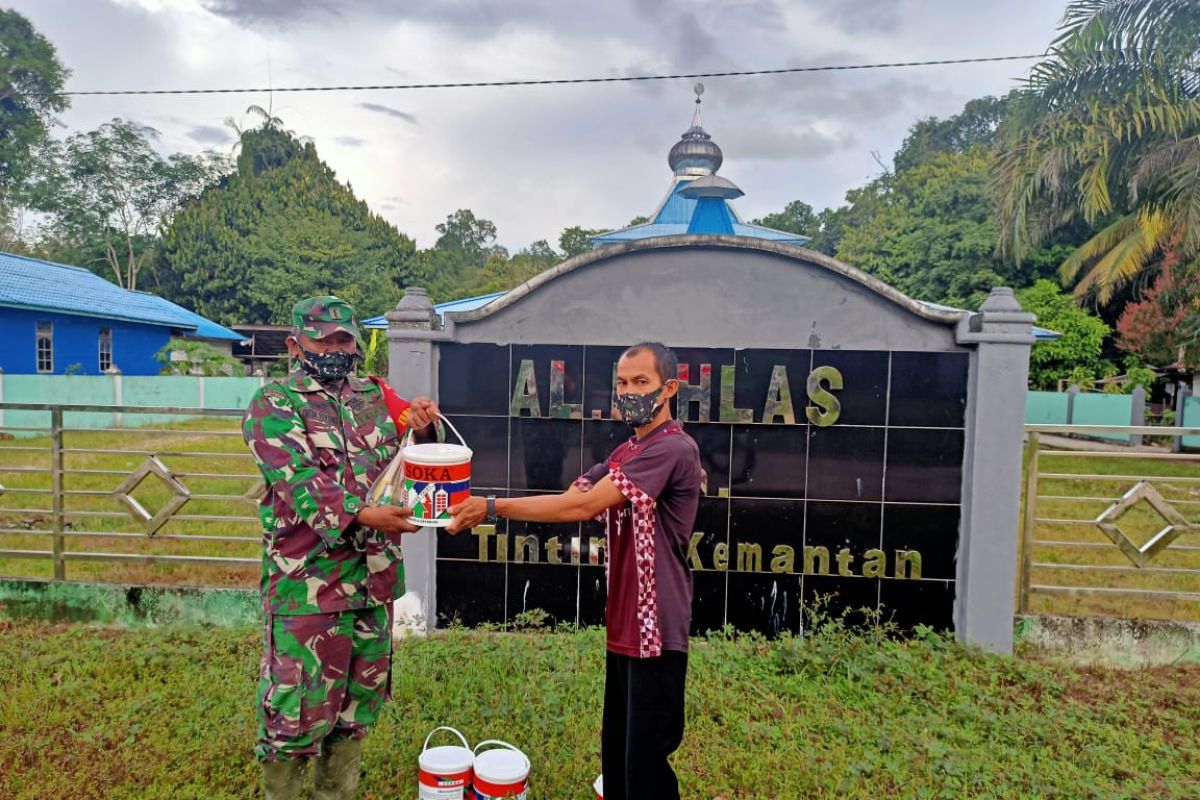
{"x": 327, "y": 582}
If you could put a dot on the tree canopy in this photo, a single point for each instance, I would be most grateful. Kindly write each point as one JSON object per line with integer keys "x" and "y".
{"x": 279, "y": 228}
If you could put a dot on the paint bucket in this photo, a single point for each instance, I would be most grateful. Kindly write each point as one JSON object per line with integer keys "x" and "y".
{"x": 435, "y": 477}
{"x": 503, "y": 772}
{"x": 444, "y": 772}
{"x": 598, "y": 786}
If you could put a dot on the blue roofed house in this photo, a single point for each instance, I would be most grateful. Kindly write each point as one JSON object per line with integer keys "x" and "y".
{"x": 56, "y": 319}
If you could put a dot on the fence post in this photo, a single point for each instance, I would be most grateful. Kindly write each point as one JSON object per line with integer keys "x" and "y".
{"x": 1029, "y": 524}
{"x": 1181, "y": 398}
{"x": 56, "y": 490}
{"x": 1137, "y": 414}
{"x": 1, "y": 396}
{"x": 1072, "y": 393}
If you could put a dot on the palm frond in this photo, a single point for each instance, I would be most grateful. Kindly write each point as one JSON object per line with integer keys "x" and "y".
{"x": 1157, "y": 162}
{"x": 1145, "y": 234}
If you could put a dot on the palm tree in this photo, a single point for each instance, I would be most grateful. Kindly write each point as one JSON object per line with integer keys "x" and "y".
{"x": 1108, "y": 132}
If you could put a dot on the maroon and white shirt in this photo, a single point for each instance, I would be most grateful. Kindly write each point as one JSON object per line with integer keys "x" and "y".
{"x": 649, "y": 607}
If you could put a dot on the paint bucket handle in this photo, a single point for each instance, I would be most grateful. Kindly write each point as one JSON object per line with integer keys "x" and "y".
{"x": 503, "y": 744}
{"x": 408, "y": 437}
{"x": 461, "y": 738}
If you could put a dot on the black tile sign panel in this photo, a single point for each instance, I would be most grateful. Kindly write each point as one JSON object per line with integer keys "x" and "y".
{"x": 834, "y": 480}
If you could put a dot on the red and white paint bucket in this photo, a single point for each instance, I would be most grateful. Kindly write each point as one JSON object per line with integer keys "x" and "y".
{"x": 435, "y": 477}
{"x": 444, "y": 772}
{"x": 598, "y": 786}
{"x": 502, "y": 772}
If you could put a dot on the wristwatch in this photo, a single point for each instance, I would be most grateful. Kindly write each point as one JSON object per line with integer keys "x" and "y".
{"x": 491, "y": 508}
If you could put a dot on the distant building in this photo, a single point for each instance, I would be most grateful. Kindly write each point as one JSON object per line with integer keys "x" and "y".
{"x": 262, "y": 345}
{"x": 57, "y": 319}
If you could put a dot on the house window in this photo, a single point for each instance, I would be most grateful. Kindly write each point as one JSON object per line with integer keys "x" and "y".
{"x": 105, "y": 349}
{"x": 45, "y": 347}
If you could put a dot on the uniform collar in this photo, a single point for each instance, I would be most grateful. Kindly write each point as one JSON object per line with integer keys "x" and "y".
{"x": 301, "y": 381}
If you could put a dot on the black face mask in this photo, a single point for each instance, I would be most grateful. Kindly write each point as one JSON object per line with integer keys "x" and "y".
{"x": 639, "y": 410}
{"x": 328, "y": 367}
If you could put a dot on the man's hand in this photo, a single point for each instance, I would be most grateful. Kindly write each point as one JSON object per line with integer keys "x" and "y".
{"x": 467, "y": 514}
{"x": 392, "y": 520}
{"x": 422, "y": 413}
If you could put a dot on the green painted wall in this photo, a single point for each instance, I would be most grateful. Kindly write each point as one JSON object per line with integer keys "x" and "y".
{"x": 1103, "y": 409}
{"x": 1191, "y": 416}
{"x": 1046, "y": 408}
{"x": 183, "y": 391}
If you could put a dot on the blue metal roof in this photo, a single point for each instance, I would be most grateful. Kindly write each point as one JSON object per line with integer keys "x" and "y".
{"x": 205, "y": 328}
{"x": 45, "y": 286}
{"x": 679, "y": 215}
{"x": 465, "y": 304}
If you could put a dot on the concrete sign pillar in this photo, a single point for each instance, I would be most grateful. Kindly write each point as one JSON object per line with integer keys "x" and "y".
{"x": 1001, "y": 334}
{"x": 412, "y": 329}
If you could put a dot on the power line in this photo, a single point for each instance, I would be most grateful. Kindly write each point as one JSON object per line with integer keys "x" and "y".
{"x": 552, "y": 81}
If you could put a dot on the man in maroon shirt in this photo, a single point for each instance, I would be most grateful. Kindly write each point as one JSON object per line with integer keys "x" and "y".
{"x": 647, "y": 494}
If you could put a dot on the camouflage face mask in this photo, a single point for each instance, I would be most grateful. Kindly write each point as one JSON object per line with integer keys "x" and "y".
{"x": 639, "y": 410}
{"x": 328, "y": 367}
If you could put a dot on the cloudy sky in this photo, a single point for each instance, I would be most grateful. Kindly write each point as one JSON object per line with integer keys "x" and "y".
{"x": 537, "y": 159}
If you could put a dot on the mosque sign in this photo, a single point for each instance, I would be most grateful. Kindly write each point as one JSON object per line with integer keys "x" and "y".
{"x": 861, "y": 449}
{"x": 842, "y": 493}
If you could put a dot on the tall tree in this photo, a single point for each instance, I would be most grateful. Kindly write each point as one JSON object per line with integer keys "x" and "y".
{"x": 974, "y": 127}
{"x": 796, "y": 217}
{"x": 280, "y": 228}
{"x": 466, "y": 236}
{"x": 31, "y": 79}
{"x": 1108, "y": 132}
{"x": 110, "y": 190}
{"x": 574, "y": 240}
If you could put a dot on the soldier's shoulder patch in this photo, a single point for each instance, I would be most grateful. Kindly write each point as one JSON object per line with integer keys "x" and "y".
{"x": 274, "y": 393}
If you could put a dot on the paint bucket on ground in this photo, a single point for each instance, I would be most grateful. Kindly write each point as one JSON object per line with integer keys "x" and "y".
{"x": 435, "y": 477}
{"x": 503, "y": 772}
{"x": 444, "y": 772}
{"x": 598, "y": 786}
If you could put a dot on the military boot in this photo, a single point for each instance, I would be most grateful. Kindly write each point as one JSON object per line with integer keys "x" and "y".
{"x": 335, "y": 776}
{"x": 283, "y": 780}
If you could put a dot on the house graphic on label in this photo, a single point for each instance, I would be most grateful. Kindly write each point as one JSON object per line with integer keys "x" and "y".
{"x": 422, "y": 502}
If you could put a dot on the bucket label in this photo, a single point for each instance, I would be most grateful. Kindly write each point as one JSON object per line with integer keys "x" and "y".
{"x": 430, "y": 489}
{"x": 441, "y": 786}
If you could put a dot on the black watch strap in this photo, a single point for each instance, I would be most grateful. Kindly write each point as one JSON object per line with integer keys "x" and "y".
{"x": 491, "y": 508}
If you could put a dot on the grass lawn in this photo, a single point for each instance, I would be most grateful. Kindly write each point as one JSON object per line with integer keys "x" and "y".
{"x": 168, "y": 713}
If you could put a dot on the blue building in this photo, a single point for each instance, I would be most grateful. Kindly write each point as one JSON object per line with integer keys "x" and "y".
{"x": 56, "y": 319}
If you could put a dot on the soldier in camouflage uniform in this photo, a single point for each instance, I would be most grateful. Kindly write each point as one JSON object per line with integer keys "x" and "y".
{"x": 331, "y": 564}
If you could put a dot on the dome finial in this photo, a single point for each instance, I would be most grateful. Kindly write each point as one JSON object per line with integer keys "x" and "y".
{"x": 695, "y": 153}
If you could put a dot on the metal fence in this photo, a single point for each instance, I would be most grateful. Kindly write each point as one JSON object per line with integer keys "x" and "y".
{"x": 1106, "y": 529}
{"x": 1109, "y": 529}
{"x": 153, "y": 499}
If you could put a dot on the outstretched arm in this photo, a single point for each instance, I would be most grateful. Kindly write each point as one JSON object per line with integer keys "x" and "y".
{"x": 572, "y": 505}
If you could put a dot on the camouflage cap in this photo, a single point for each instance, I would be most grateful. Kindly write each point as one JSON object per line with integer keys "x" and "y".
{"x": 317, "y": 317}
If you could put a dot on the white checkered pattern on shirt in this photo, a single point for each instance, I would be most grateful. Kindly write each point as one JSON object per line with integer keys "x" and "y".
{"x": 650, "y": 637}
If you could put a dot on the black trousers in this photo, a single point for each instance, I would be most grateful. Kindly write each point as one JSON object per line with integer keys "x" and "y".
{"x": 643, "y": 724}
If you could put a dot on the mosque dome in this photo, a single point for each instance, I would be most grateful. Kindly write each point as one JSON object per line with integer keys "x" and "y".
{"x": 695, "y": 153}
